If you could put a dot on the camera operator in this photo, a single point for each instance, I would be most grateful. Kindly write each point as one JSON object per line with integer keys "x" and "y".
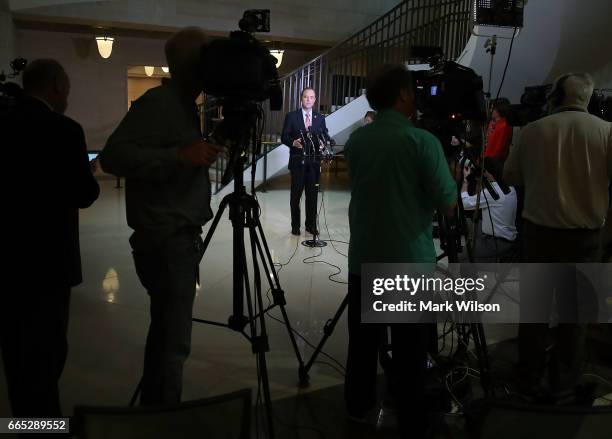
{"x": 158, "y": 147}
{"x": 50, "y": 181}
{"x": 564, "y": 161}
{"x": 304, "y": 160}
{"x": 398, "y": 176}
{"x": 497, "y": 237}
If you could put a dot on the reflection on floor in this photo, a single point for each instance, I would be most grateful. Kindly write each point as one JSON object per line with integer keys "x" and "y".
{"x": 109, "y": 312}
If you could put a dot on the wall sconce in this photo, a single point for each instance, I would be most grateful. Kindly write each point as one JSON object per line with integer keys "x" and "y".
{"x": 149, "y": 70}
{"x": 165, "y": 69}
{"x": 278, "y": 54}
{"x": 105, "y": 46}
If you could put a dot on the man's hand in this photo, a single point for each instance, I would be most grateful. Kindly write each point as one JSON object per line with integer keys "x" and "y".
{"x": 297, "y": 143}
{"x": 200, "y": 153}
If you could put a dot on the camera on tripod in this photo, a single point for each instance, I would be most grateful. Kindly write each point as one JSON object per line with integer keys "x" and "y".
{"x": 241, "y": 73}
{"x": 534, "y": 105}
{"x": 449, "y": 91}
{"x": 534, "y": 101}
{"x": 239, "y": 69}
{"x": 448, "y": 97}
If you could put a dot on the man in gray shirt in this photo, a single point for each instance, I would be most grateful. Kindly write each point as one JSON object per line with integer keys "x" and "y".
{"x": 158, "y": 148}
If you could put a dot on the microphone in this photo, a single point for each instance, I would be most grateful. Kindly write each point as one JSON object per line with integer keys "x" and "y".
{"x": 304, "y": 143}
{"x": 312, "y": 148}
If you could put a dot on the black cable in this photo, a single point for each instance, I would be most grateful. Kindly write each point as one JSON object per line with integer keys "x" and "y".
{"x": 331, "y": 241}
{"x": 336, "y": 240}
{"x": 507, "y": 63}
{"x": 341, "y": 372}
{"x": 308, "y": 343}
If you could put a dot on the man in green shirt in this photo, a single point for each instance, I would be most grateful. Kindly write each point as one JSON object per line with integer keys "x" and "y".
{"x": 158, "y": 147}
{"x": 398, "y": 177}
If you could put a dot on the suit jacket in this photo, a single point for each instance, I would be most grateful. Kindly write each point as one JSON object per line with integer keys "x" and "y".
{"x": 50, "y": 179}
{"x": 294, "y": 123}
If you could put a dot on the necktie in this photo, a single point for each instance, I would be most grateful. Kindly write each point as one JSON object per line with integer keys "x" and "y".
{"x": 307, "y": 120}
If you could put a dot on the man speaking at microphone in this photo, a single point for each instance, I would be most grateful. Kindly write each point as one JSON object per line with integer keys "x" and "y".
{"x": 301, "y": 132}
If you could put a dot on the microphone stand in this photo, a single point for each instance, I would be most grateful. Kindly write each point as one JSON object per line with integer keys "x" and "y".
{"x": 313, "y": 153}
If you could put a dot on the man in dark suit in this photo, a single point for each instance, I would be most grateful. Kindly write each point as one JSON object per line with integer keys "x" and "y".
{"x": 303, "y": 132}
{"x": 51, "y": 179}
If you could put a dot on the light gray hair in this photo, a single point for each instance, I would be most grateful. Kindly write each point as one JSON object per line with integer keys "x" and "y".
{"x": 577, "y": 89}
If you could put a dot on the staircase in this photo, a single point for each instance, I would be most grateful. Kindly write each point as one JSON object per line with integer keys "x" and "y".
{"x": 339, "y": 75}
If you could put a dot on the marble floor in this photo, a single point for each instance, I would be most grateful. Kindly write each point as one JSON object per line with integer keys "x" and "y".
{"x": 109, "y": 310}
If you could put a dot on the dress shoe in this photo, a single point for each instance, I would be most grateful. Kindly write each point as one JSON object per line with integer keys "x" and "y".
{"x": 295, "y": 231}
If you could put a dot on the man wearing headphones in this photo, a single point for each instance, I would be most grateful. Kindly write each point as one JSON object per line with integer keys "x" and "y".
{"x": 564, "y": 161}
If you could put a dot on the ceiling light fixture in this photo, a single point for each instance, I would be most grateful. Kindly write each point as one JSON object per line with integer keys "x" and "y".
{"x": 105, "y": 46}
{"x": 278, "y": 54}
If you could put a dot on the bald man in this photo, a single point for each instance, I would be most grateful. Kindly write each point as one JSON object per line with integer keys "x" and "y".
{"x": 158, "y": 148}
{"x": 48, "y": 164}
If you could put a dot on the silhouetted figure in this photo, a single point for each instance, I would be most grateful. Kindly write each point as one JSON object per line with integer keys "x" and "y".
{"x": 49, "y": 180}
{"x": 564, "y": 161}
{"x": 158, "y": 148}
{"x": 398, "y": 176}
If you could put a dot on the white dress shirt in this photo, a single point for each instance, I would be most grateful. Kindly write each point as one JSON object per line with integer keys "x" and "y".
{"x": 502, "y": 212}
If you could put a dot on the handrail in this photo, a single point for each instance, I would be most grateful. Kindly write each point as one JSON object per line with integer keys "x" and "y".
{"x": 338, "y": 75}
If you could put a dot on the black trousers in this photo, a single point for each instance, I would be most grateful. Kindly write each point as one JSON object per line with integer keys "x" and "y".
{"x": 169, "y": 273}
{"x": 407, "y": 365}
{"x": 304, "y": 178}
{"x": 559, "y": 283}
{"x": 34, "y": 350}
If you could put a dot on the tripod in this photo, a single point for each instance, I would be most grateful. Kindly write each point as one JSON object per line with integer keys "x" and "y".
{"x": 244, "y": 214}
{"x": 450, "y": 242}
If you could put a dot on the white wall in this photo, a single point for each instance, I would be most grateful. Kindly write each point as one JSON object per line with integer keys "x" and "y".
{"x": 558, "y": 36}
{"x": 98, "y": 91}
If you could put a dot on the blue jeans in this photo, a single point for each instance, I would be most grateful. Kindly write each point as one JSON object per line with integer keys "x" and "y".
{"x": 169, "y": 273}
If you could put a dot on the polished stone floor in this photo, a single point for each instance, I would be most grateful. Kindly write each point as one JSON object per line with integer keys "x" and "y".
{"x": 109, "y": 310}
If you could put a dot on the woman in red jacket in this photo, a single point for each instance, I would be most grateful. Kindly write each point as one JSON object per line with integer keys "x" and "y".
{"x": 499, "y": 133}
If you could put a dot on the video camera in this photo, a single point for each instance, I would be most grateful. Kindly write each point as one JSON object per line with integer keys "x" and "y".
{"x": 534, "y": 101}
{"x": 601, "y": 105}
{"x": 241, "y": 73}
{"x": 534, "y": 105}
{"x": 239, "y": 69}
{"x": 448, "y": 97}
{"x": 450, "y": 91}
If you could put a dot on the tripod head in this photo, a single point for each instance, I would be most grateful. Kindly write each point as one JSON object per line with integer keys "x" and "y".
{"x": 237, "y": 131}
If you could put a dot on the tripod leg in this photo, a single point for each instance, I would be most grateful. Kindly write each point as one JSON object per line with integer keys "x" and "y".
{"x": 260, "y": 343}
{"x": 328, "y": 329}
{"x": 482, "y": 353}
{"x": 216, "y": 220}
{"x": 265, "y": 384}
{"x": 238, "y": 320}
{"x": 277, "y": 292}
